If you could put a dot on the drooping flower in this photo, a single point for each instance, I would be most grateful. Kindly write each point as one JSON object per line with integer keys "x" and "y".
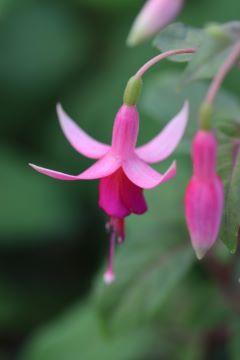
{"x": 122, "y": 168}
{"x": 154, "y": 16}
{"x": 204, "y": 195}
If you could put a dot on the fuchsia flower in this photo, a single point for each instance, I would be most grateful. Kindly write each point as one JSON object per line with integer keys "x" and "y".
{"x": 204, "y": 195}
{"x": 122, "y": 168}
{"x": 154, "y": 16}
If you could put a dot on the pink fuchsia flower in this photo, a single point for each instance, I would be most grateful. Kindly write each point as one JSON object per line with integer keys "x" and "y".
{"x": 154, "y": 16}
{"x": 122, "y": 168}
{"x": 204, "y": 195}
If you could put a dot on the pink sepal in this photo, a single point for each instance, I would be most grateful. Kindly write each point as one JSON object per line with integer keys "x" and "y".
{"x": 103, "y": 167}
{"x": 154, "y": 16}
{"x": 163, "y": 145}
{"x": 142, "y": 175}
{"x": 79, "y": 139}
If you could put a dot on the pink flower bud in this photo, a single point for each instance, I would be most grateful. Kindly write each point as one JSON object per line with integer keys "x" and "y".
{"x": 154, "y": 16}
{"x": 204, "y": 195}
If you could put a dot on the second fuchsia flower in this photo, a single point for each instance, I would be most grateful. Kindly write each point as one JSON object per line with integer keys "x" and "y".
{"x": 204, "y": 195}
{"x": 122, "y": 167}
{"x": 154, "y": 16}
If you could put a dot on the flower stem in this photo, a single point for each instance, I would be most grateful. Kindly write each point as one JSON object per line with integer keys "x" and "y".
{"x": 224, "y": 69}
{"x": 160, "y": 57}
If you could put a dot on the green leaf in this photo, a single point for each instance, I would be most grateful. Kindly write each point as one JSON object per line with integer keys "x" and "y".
{"x": 232, "y": 29}
{"x": 206, "y": 62}
{"x": 229, "y": 128}
{"x": 194, "y": 313}
{"x": 210, "y": 55}
{"x": 177, "y": 36}
{"x": 79, "y": 334}
{"x": 231, "y": 217}
{"x": 145, "y": 281}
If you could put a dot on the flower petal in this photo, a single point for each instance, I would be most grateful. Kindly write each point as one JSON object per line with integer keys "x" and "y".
{"x": 204, "y": 201}
{"x": 119, "y": 197}
{"x": 160, "y": 147}
{"x": 103, "y": 167}
{"x": 144, "y": 176}
{"x": 110, "y": 195}
{"x": 132, "y": 196}
{"x": 54, "y": 174}
{"x": 78, "y": 138}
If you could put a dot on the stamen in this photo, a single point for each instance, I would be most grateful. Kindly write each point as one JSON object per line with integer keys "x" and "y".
{"x": 108, "y": 226}
{"x": 120, "y": 230}
{"x": 120, "y": 240}
{"x": 109, "y": 275}
{"x": 116, "y": 227}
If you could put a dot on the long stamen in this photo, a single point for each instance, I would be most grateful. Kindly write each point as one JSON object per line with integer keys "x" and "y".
{"x": 109, "y": 275}
{"x": 120, "y": 230}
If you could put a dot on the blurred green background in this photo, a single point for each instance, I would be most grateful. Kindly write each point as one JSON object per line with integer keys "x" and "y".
{"x": 53, "y": 246}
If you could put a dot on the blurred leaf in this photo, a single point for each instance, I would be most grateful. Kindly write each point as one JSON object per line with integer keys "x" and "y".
{"x": 232, "y": 29}
{"x": 230, "y": 230}
{"x": 177, "y": 36}
{"x": 30, "y": 203}
{"x": 229, "y": 128}
{"x": 235, "y": 343}
{"x": 109, "y": 5}
{"x": 209, "y": 57}
{"x": 190, "y": 305}
{"x": 76, "y": 332}
{"x": 5, "y": 6}
{"x": 79, "y": 334}
{"x": 145, "y": 280}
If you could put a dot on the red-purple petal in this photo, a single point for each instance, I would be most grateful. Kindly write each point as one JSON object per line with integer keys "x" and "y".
{"x": 132, "y": 196}
{"x": 110, "y": 196}
{"x": 119, "y": 197}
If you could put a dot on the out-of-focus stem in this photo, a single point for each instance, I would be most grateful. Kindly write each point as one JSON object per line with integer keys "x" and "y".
{"x": 160, "y": 57}
{"x": 224, "y": 69}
